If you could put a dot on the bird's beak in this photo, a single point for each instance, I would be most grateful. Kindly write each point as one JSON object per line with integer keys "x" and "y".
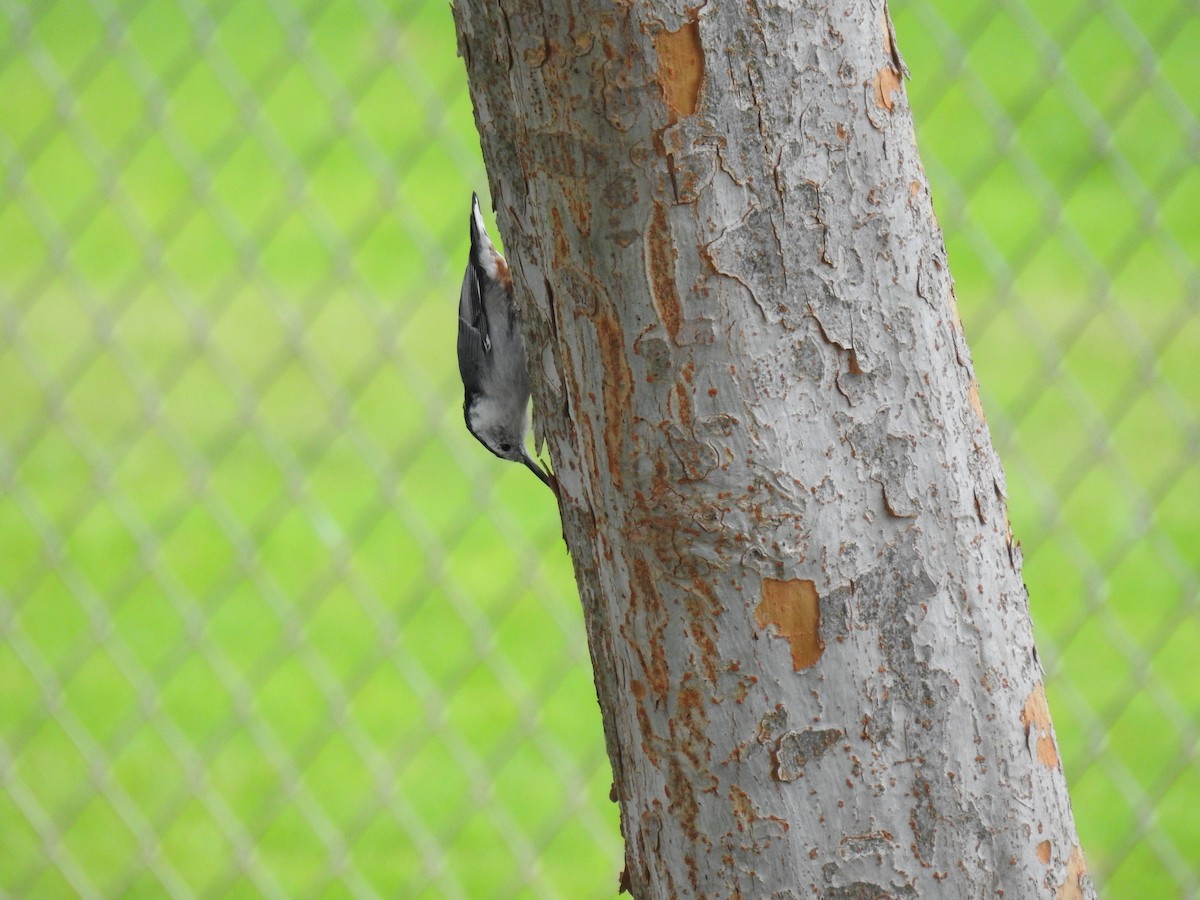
{"x": 537, "y": 470}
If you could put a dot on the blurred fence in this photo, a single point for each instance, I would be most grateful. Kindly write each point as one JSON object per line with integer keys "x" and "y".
{"x": 271, "y": 624}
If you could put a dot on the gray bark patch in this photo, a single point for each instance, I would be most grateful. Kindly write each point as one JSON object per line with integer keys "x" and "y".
{"x": 796, "y": 750}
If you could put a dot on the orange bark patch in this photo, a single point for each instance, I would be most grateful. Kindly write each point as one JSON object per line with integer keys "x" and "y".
{"x": 855, "y": 368}
{"x": 793, "y": 607}
{"x": 976, "y": 403}
{"x": 1036, "y": 716}
{"x": 1043, "y": 852}
{"x": 680, "y": 67}
{"x": 1072, "y": 888}
{"x": 886, "y": 83}
{"x": 562, "y": 249}
{"x": 683, "y": 402}
{"x": 702, "y": 609}
{"x": 747, "y": 817}
{"x": 618, "y": 391}
{"x": 645, "y": 595}
{"x": 660, "y": 270}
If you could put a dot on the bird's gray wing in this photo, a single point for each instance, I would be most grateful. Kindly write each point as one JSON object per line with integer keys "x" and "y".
{"x": 474, "y": 340}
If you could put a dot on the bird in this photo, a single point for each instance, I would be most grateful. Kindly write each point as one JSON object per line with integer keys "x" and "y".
{"x": 491, "y": 353}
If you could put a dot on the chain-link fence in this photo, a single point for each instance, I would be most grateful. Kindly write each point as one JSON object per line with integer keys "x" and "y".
{"x": 272, "y": 624}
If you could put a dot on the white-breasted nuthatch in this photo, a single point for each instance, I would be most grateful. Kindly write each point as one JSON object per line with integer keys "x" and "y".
{"x": 491, "y": 353}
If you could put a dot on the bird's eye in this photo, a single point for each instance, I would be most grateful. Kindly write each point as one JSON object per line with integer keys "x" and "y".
{"x": 506, "y": 448}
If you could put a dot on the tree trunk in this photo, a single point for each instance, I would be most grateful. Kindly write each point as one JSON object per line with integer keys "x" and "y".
{"x": 810, "y": 636}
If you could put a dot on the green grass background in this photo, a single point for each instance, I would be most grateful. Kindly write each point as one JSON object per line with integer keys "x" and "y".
{"x": 271, "y": 624}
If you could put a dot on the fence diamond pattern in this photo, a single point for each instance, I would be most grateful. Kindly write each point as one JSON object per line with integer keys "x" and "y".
{"x": 271, "y": 624}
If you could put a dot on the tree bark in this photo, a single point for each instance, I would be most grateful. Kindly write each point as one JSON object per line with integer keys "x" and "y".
{"x": 811, "y": 641}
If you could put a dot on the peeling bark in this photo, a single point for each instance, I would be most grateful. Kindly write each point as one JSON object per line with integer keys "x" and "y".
{"x": 810, "y": 636}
